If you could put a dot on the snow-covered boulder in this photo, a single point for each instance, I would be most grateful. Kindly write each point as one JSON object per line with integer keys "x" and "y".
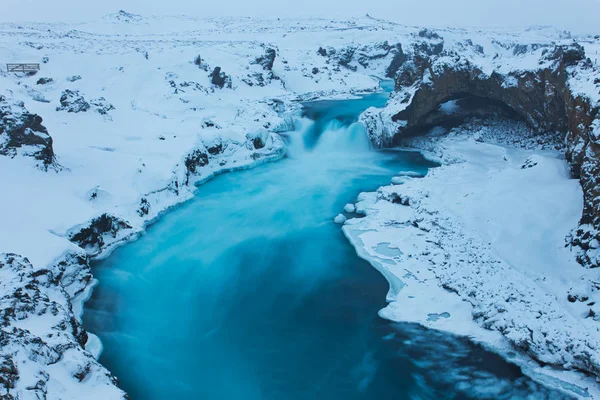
{"x": 23, "y": 133}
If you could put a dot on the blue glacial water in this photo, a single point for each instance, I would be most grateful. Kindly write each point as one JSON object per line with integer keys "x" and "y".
{"x": 250, "y": 291}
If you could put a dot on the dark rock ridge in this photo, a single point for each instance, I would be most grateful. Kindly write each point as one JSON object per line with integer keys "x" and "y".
{"x": 100, "y": 231}
{"x": 541, "y": 97}
{"x": 21, "y": 131}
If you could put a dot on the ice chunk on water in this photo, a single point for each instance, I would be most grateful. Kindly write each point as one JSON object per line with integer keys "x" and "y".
{"x": 94, "y": 345}
{"x": 413, "y": 174}
{"x": 349, "y": 208}
{"x": 340, "y": 219}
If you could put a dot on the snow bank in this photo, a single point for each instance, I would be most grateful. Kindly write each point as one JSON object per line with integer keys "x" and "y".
{"x": 480, "y": 242}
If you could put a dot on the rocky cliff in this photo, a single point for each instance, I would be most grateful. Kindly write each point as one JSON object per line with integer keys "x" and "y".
{"x": 554, "y": 88}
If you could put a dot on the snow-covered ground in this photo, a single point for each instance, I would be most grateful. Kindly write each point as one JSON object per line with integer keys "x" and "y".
{"x": 480, "y": 242}
{"x": 137, "y": 115}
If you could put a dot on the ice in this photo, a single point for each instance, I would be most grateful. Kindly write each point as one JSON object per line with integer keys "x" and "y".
{"x": 339, "y": 219}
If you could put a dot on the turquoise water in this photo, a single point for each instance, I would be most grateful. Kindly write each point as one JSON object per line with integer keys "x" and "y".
{"x": 250, "y": 291}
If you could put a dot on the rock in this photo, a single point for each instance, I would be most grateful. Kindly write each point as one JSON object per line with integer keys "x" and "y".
{"x": 349, "y": 208}
{"x": 73, "y": 78}
{"x": 567, "y": 55}
{"x": 322, "y": 52}
{"x": 345, "y": 57}
{"x": 397, "y": 62}
{"x": 72, "y": 101}
{"x": 93, "y": 237}
{"x": 23, "y": 132}
{"x": 101, "y": 106}
{"x": 144, "y": 207}
{"x": 268, "y": 59}
{"x": 44, "y": 81}
{"x": 429, "y": 34}
{"x": 339, "y": 219}
{"x": 196, "y": 159}
{"x": 529, "y": 162}
{"x": 220, "y": 79}
{"x": 315, "y": 70}
{"x": 215, "y": 147}
{"x": 45, "y": 60}
{"x": 41, "y": 339}
{"x": 258, "y": 139}
{"x": 542, "y": 98}
{"x": 200, "y": 63}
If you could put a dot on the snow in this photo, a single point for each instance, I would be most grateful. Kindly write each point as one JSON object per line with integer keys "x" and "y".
{"x": 481, "y": 243}
{"x": 349, "y": 208}
{"x": 339, "y": 219}
{"x": 130, "y": 162}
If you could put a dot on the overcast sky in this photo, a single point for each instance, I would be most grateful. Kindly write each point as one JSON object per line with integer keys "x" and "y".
{"x": 579, "y": 16}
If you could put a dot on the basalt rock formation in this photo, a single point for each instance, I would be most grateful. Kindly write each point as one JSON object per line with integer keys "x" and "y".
{"x": 430, "y": 79}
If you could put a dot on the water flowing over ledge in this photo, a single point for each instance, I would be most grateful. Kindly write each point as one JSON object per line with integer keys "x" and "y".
{"x": 270, "y": 295}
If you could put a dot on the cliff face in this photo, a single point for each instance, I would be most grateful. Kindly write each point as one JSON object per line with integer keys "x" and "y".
{"x": 542, "y": 96}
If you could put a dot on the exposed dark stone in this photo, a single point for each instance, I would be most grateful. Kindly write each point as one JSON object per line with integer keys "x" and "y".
{"x": 567, "y": 55}
{"x": 219, "y": 78}
{"x": 217, "y": 148}
{"x": 144, "y": 207}
{"x": 315, "y": 70}
{"x": 397, "y": 62}
{"x": 43, "y": 81}
{"x": 92, "y": 236}
{"x": 322, "y": 52}
{"x": 542, "y": 98}
{"x": 345, "y": 57}
{"x": 73, "y": 78}
{"x": 72, "y": 101}
{"x": 196, "y": 159}
{"x": 429, "y": 34}
{"x": 101, "y": 105}
{"x": 258, "y": 143}
{"x": 268, "y": 59}
{"x": 21, "y": 128}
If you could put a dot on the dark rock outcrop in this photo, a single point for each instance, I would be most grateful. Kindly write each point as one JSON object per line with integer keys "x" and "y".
{"x": 44, "y": 81}
{"x": 268, "y": 59}
{"x": 101, "y": 106}
{"x": 23, "y": 131}
{"x": 220, "y": 79}
{"x": 397, "y": 62}
{"x": 429, "y": 34}
{"x": 542, "y": 98}
{"x": 72, "y": 101}
{"x": 196, "y": 159}
{"x": 93, "y": 237}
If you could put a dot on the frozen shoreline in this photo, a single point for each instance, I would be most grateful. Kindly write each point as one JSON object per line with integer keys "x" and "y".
{"x": 453, "y": 264}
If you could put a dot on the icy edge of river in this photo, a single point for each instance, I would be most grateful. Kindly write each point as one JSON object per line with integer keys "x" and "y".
{"x": 454, "y": 266}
